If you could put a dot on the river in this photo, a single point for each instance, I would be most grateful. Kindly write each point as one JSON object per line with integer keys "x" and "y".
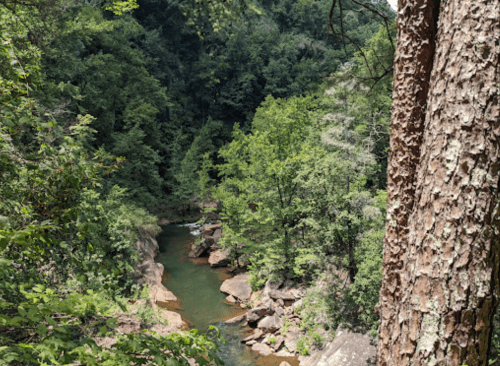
{"x": 201, "y": 304}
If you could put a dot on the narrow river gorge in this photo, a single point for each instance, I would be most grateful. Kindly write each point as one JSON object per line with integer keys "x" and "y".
{"x": 200, "y": 302}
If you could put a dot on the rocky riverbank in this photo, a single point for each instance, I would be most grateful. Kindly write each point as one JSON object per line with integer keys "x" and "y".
{"x": 149, "y": 273}
{"x": 275, "y": 315}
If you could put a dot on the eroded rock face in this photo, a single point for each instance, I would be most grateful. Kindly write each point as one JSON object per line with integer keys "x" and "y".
{"x": 151, "y": 272}
{"x": 238, "y": 287}
{"x": 217, "y": 234}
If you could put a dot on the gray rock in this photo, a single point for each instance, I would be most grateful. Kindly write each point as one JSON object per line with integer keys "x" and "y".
{"x": 279, "y": 312}
{"x": 279, "y": 341}
{"x": 220, "y": 258}
{"x": 198, "y": 250}
{"x": 236, "y": 319}
{"x": 209, "y": 229}
{"x": 231, "y": 299}
{"x": 255, "y": 335}
{"x": 270, "y": 285}
{"x": 347, "y": 349}
{"x": 251, "y": 343}
{"x": 290, "y": 341}
{"x": 238, "y": 287}
{"x": 269, "y": 324}
{"x": 217, "y": 235}
{"x": 256, "y": 313}
{"x": 284, "y": 363}
{"x": 297, "y": 292}
{"x": 276, "y": 294}
{"x": 263, "y": 349}
{"x": 284, "y": 353}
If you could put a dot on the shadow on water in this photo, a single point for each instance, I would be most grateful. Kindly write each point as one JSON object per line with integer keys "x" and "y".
{"x": 200, "y": 301}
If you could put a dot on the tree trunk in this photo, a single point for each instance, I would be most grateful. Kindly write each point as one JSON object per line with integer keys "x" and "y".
{"x": 412, "y": 71}
{"x": 441, "y": 267}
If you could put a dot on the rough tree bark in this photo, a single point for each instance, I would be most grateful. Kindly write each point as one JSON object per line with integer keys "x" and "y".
{"x": 441, "y": 251}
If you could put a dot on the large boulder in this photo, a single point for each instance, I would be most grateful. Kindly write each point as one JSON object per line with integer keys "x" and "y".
{"x": 209, "y": 229}
{"x": 269, "y": 286}
{"x": 173, "y": 319}
{"x": 220, "y": 258}
{"x": 255, "y": 335}
{"x": 277, "y": 343}
{"x": 236, "y": 319}
{"x": 276, "y": 294}
{"x": 269, "y": 324}
{"x": 159, "y": 294}
{"x": 217, "y": 235}
{"x": 347, "y": 349}
{"x": 291, "y": 339}
{"x": 255, "y": 314}
{"x": 263, "y": 349}
{"x": 198, "y": 250}
{"x": 238, "y": 287}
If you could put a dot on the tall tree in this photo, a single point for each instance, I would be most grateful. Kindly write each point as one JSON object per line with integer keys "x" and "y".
{"x": 441, "y": 255}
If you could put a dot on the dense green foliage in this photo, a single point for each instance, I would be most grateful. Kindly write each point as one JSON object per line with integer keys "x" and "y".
{"x": 301, "y": 192}
{"x": 275, "y": 48}
{"x": 67, "y": 233}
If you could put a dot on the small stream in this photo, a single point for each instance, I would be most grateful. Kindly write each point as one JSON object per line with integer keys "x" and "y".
{"x": 200, "y": 302}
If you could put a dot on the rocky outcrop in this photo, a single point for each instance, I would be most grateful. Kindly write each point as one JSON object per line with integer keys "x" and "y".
{"x": 347, "y": 349}
{"x": 272, "y": 307}
{"x": 166, "y": 323}
{"x": 150, "y": 272}
{"x": 199, "y": 249}
{"x": 209, "y": 237}
{"x": 238, "y": 287}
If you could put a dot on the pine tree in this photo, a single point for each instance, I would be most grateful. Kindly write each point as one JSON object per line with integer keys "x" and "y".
{"x": 441, "y": 257}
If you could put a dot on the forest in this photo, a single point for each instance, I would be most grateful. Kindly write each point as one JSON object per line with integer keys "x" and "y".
{"x": 277, "y": 116}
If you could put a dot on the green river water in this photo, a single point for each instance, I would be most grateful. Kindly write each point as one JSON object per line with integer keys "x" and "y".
{"x": 201, "y": 304}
